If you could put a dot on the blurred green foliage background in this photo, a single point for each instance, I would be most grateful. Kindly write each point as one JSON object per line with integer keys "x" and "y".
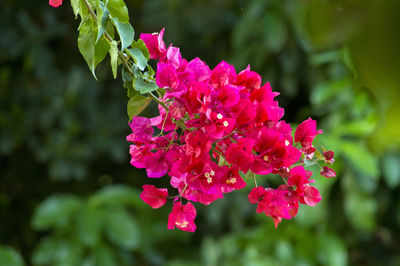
{"x": 68, "y": 195}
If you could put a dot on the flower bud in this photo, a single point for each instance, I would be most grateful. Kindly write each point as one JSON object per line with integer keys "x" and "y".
{"x": 328, "y": 172}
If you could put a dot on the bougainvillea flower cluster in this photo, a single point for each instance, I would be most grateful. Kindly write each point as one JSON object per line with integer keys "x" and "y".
{"x": 215, "y": 127}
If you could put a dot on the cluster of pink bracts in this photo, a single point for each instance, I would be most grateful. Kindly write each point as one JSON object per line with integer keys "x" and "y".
{"x": 219, "y": 123}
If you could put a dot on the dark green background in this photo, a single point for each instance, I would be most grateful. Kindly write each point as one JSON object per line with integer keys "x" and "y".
{"x": 68, "y": 195}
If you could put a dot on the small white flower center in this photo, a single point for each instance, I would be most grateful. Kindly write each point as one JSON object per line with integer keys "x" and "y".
{"x": 184, "y": 224}
{"x": 225, "y": 123}
{"x": 265, "y": 158}
{"x": 207, "y": 175}
{"x": 209, "y": 180}
{"x": 231, "y": 181}
{"x": 219, "y": 116}
{"x": 212, "y": 172}
{"x": 287, "y": 143}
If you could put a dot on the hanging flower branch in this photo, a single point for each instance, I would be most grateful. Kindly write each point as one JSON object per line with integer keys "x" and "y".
{"x": 216, "y": 129}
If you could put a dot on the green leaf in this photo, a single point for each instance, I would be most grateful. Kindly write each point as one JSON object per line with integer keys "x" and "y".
{"x": 131, "y": 90}
{"x": 276, "y": 32}
{"x": 331, "y": 94}
{"x": 142, "y": 46}
{"x": 318, "y": 155}
{"x": 10, "y": 257}
{"x": 104, "y": 256}
{"x": 117, "y": 194}
{"x": 102, "y": 18}
{"x": 360, "y": 158}
{"x": 332, "y": 250}
{"x": 138, "y": 57}
{"x": 360, "y": 207}
{"x": 325, "y": 57}
{"x": 358, "y": 128}
{"x": 125, "y": 31}
{"x": 151, "y": 71}
{"x": 89, "y": 226}
{"x": 210, "y": 251}
{"x": 120, "y": 17}
{"x": 58, "y": 251}
{"x": 44, "y": 253}
{"x": 144, "y": 86}
{"x": 101, "y": 50}
{"x": 308, "y": 163}
{"x": 118, "y": 10}
{"x": 312, "y": 216}
{"x": 127, "y": 80}
{"x": 86, "y": 43}
{"x": 136, "y": 105}
{"x": 92, "y": 53}
{"x": 83, "y": 11}
{"x": 114, "y": 58}
{"x": 121, "y": 228}
{"x": 75, "y": 7}
{"x": 391, "y": 170}
{"x": 55, "y": 211}
{"x": 222, "y": 161}
{"x": 110, "y": 29}
{"x": 284, "y": 251}
{"x": 348, "y": 60}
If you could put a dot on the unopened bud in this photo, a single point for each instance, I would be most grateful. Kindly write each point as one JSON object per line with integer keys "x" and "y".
{"x": 328, "y": 172}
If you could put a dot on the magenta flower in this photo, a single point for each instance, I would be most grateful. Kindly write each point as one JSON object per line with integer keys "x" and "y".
{"x": 276, "y": 203}
{"x": 55, "y": 3}
{"x": 198, "y": 69}
{"x": 240, "y": 154}
{"x": 257, "y": 195}
{"x": 182, "y": 216}
{"x": 223, "y": 74}
{"x": 311, "y": 196}
{"x": 197, "y": 144}
{"x": 215, "y": 123}
{"x": 306, "y": 132}
{"x": 229, "y": 95}
{"x": 155, "y": 197}
{"x": 141, "y": 128}
{"x": 139, "y": 155}
{"x": 156, "y": 164}
{"x": 231, "y": 180}
{"x": 166, "y": 76}
{"x": 174, "y": 56}
{"x": 299, "y": 177}
{"x": 154, "y": 43}
{"x": 248, "y": 79}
